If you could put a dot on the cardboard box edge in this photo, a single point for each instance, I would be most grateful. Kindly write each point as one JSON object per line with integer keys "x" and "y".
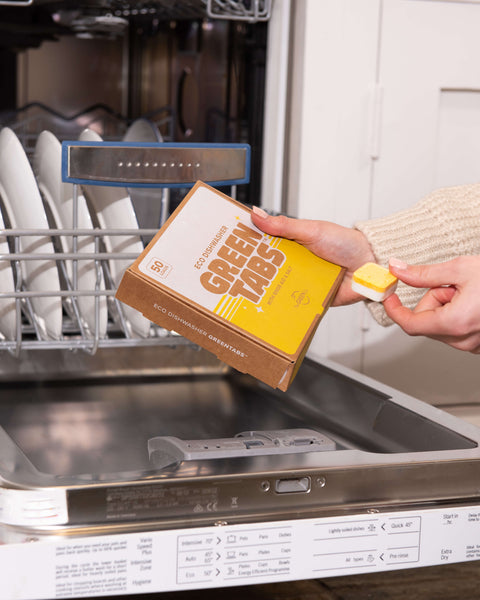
{"x": 279, "y": 365}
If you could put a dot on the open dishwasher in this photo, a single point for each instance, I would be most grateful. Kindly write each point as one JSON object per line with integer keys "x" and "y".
{"x": 143, "y": 464}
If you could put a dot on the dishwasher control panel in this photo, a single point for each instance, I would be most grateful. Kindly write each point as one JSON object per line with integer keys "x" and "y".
{"x": 223, "y": 555}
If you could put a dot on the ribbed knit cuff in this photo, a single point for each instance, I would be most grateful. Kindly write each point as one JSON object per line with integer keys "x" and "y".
{"x": 442, "y": 226}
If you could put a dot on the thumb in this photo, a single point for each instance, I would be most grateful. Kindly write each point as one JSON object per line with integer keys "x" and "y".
{"x": 424, "y": 276}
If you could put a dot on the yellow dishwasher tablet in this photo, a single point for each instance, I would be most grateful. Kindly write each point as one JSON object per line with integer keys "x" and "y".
{"x": 374, "y": 282}
{"x": 252, "y": 299}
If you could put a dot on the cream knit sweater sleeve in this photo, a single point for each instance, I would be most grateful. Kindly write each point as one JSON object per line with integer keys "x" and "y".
{"x": 442, "y": 226}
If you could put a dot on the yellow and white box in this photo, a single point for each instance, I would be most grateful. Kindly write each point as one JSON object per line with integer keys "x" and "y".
{"x": 252, "y": 299}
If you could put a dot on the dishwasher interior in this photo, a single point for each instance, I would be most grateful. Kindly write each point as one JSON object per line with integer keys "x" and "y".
{"x": 147, "y": 448}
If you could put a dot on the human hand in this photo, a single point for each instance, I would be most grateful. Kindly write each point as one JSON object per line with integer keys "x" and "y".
{"x": 340, "y": 245}
{"x": 450, "y": 310}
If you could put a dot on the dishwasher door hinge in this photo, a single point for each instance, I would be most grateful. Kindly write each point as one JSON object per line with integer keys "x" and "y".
{"x": 375, "y": 125}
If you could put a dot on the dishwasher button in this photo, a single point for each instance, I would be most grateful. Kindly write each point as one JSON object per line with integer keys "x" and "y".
{"x": 253, "y": 443}
{"x": 294, "y": 485}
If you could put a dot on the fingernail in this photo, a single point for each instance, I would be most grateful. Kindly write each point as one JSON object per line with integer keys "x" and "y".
{"x": 260, "y": 212}
{"x": 396, "y": 263}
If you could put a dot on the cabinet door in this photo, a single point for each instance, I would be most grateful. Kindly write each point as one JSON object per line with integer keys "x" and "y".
{"x": 333, "y": 58}
{"x": 429, "y": 74}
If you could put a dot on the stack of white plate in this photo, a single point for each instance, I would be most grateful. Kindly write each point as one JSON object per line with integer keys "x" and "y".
{"x": 35, "y": 197}
{"x": 24, "y": 209}
{"x": 113, "y": 209}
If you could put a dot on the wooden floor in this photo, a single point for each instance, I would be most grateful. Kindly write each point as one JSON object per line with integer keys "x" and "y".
{"x": 446, "y": 582}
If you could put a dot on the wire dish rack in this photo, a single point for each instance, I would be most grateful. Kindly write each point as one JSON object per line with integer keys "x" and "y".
{"x": 72, "y": 315}
{"x": 246, "y": 10}
{"x": 30, "y": 330}
{"x": 238, "y": 10}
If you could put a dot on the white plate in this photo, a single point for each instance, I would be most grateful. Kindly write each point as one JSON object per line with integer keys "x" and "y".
{"x": 25, "y": 210}
{"x": 150, "y": 204}
{"x": 142, "y": 130}
{"x": 114, "y": 210}
{"x": 47, "y": 165}
{"x": 7, "y": 305}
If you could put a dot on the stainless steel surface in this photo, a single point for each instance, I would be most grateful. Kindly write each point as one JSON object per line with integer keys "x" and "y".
{"x": 160, "y": 164}
{"x": 107, "y": 364}
{"x": 91, "y": 440}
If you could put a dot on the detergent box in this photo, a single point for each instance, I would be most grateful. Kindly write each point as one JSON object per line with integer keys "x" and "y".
{"x": 252, "y": 299}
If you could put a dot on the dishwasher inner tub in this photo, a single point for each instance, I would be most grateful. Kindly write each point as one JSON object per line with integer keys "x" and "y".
{"x": 90, "y": 440}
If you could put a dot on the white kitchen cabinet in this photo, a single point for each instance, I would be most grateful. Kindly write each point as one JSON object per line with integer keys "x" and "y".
{"x": 329, "y": 166}
{"x": 385, "y": 108}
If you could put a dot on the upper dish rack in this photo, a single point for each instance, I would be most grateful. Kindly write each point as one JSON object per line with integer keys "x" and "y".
{"x": 246, "y": 10}
{"x": 238, "y": 10}
{"x": 91, "y": 317}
